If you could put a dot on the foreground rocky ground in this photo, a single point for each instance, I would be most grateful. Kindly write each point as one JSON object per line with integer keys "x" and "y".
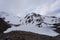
{"x": 21, "y": 35}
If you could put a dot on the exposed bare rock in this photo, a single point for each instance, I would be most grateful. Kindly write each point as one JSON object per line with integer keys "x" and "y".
{"x": 3, "y": 25}
{"x": 21, "y": 35}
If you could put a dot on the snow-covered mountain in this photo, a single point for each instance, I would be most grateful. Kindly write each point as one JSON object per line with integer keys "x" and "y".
{"x": 32, "y": 22}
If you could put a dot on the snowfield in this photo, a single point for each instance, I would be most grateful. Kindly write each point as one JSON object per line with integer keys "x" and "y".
{"x": 34, "y": 29}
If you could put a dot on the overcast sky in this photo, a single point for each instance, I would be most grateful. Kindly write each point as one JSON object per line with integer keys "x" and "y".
{"x": 22, "y": 7}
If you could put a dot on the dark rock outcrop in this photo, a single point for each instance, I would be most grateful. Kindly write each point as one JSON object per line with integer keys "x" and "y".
{"x": 34, "y": 19}
{"x": 3, "y": 25}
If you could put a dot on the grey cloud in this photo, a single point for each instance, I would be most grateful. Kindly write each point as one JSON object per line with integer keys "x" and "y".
{"x": 22, "y": 7}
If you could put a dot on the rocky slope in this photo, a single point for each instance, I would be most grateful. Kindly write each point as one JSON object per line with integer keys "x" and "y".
{"x": 3, "y": 25}
{"x": 22, "y": 35}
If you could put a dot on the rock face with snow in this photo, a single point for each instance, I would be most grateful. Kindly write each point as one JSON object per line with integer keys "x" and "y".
{"x": 41, "y": 21}
{"x": 34, "y": 19}
{"x": 3, "y": 25}
{"x": 35, "y": 23}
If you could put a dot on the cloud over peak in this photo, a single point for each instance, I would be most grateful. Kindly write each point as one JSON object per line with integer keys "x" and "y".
{"x": 22, "y": 7}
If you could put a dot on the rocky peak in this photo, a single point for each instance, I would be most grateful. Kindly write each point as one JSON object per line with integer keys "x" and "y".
{"x": 34, "y": 19}
{"x": 3, "y": 25}
{"x": 40, "y": 20}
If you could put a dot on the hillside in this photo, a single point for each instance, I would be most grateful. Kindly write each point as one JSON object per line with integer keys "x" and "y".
{"x": 31, "y": 27}
{"x": 21, "y": 35}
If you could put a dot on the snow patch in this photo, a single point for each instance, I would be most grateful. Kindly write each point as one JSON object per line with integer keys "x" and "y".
{"x": 34, "y": 29}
